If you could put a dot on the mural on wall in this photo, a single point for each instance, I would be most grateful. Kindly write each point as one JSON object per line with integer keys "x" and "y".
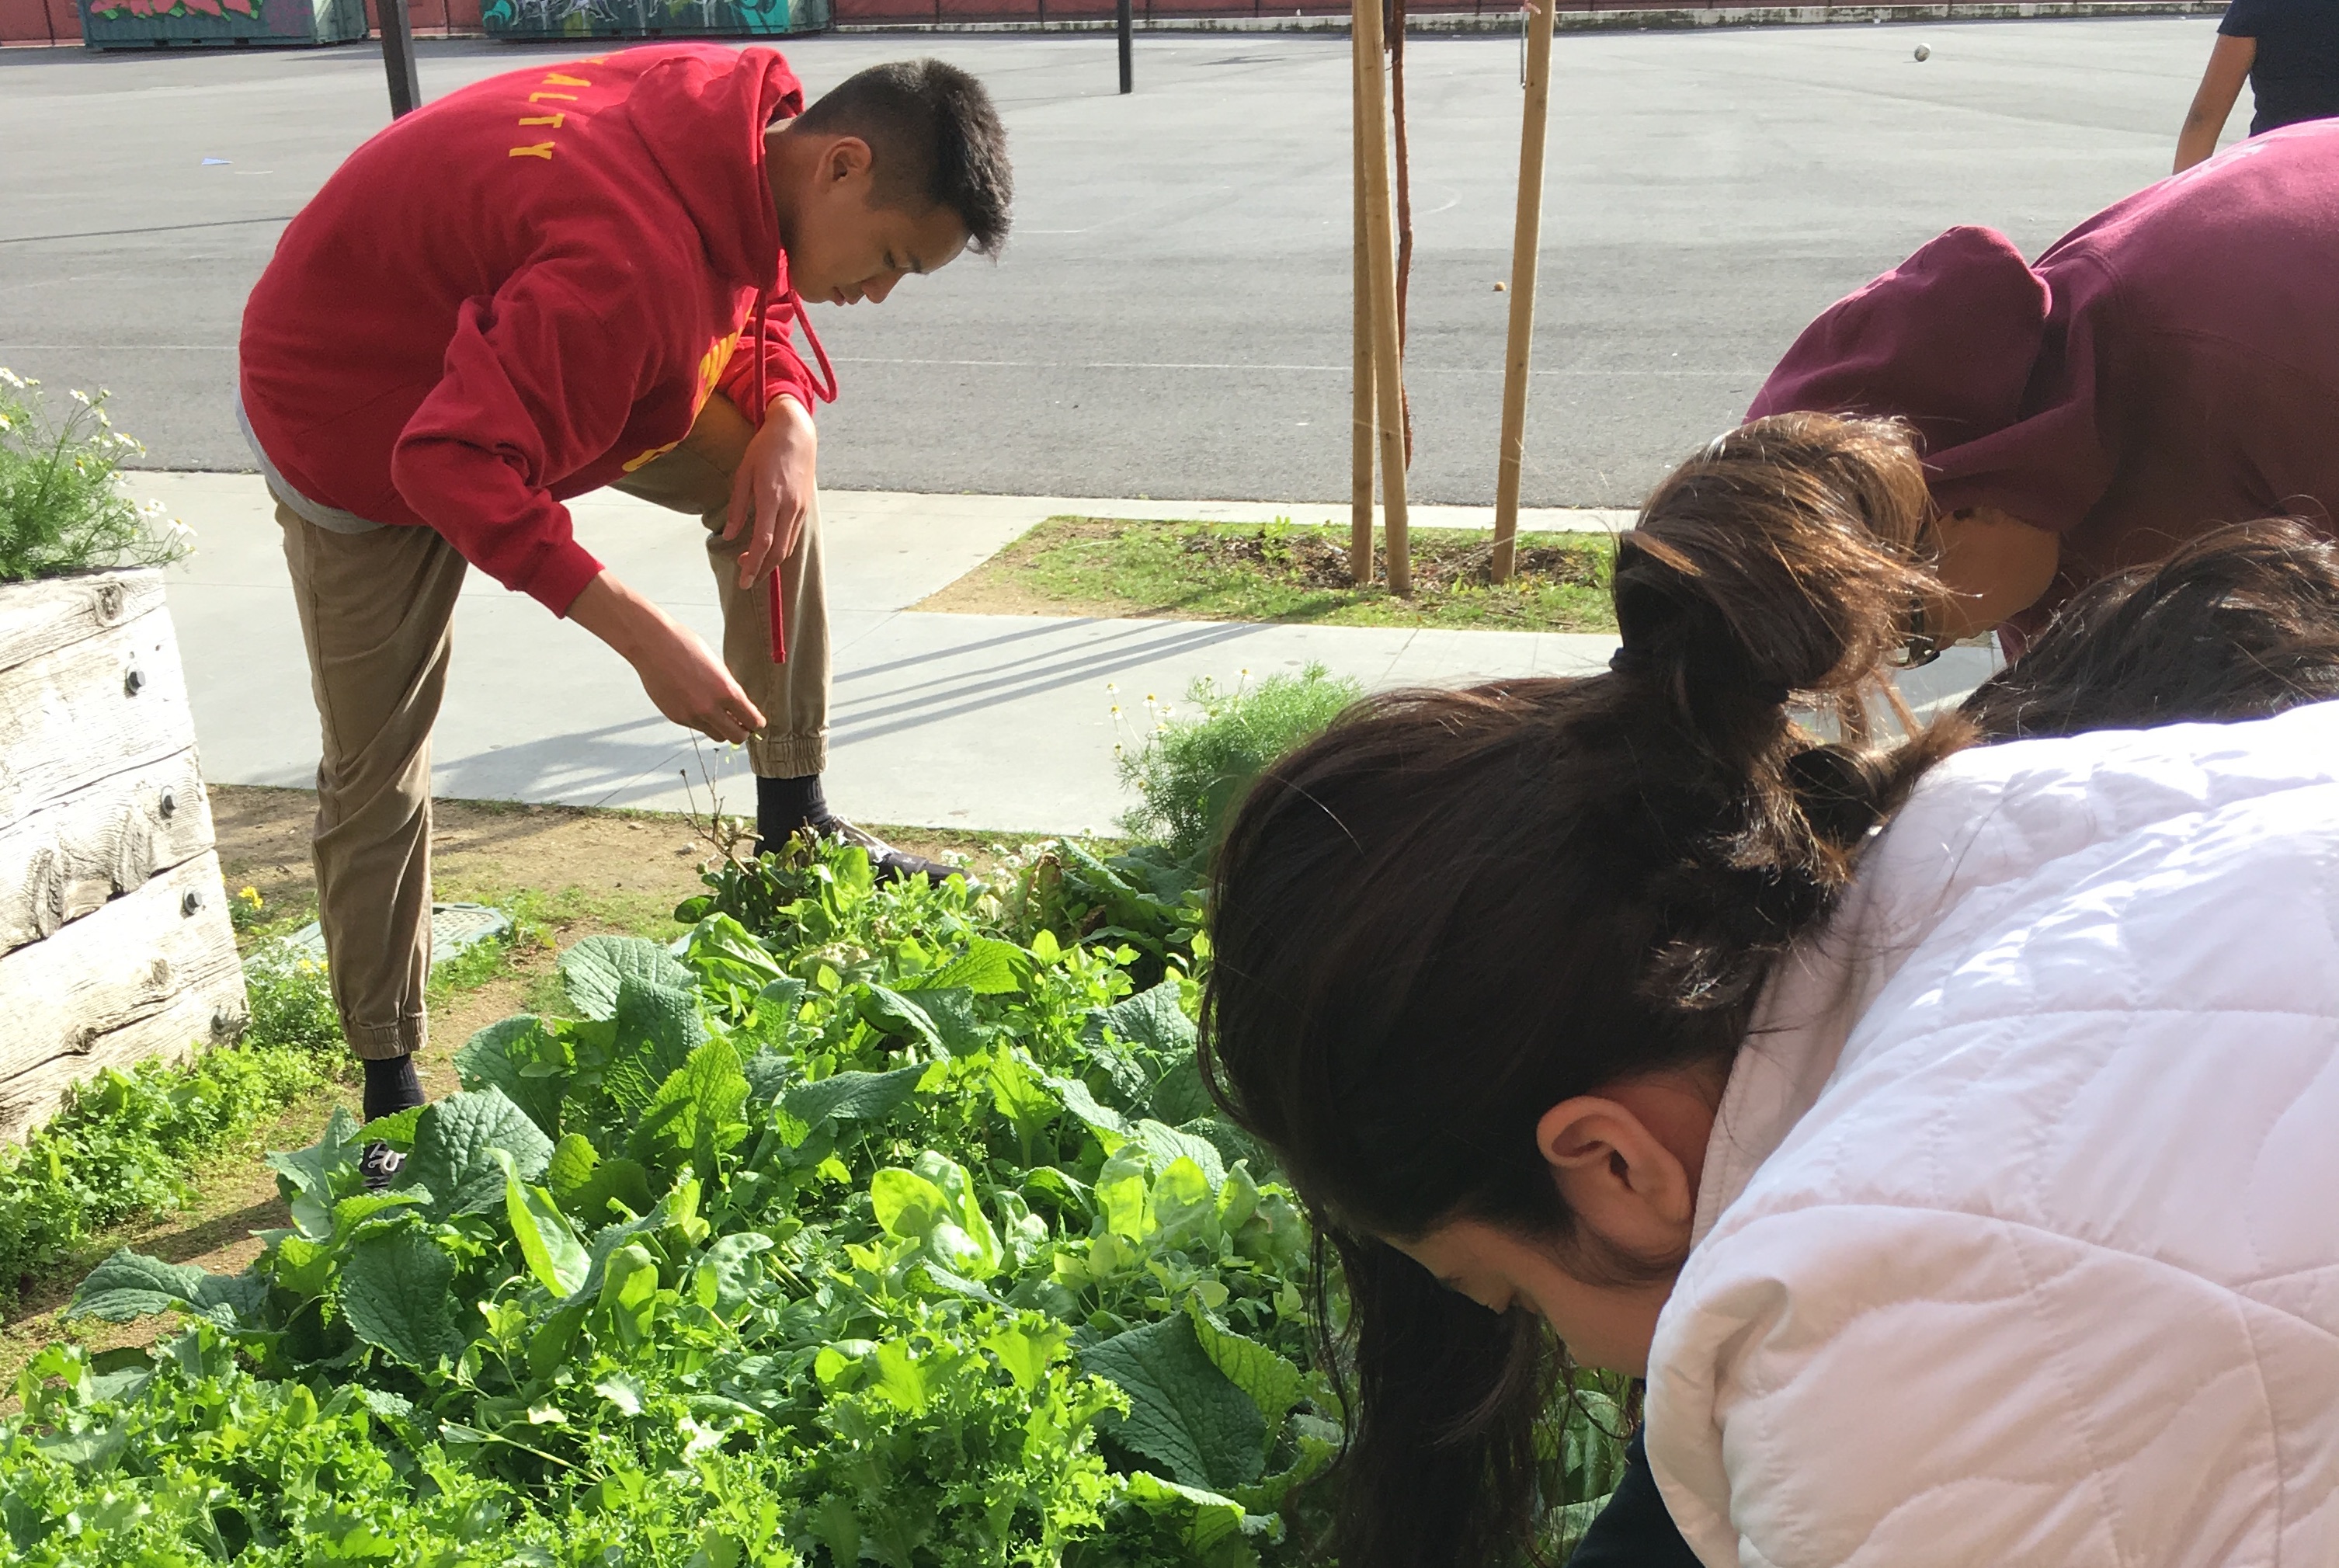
{"x": 583, "y": 18}
{"x": 133, "y": 24}
{"x": 174, "y": 8}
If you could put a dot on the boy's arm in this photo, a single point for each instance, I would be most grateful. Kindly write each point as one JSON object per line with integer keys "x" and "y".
{"x": 538, "y": 382}
{"x": 772, "y": 490}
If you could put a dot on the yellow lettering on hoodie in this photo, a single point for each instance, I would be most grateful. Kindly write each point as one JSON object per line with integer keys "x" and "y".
{"x": 711, "y": 366}
{"x": 558, "y": 80}
{"x": 539, "y": 150}
{"x": 553, "y": 119}
{"x": 653, "y": 455}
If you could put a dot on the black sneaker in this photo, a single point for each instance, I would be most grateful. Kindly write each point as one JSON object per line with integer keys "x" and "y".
{"x": 380, "y": 1163}
{"x": 890, "y": 865}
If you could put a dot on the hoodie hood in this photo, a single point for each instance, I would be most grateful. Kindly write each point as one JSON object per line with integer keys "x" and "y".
{"x": 701, "y": 112}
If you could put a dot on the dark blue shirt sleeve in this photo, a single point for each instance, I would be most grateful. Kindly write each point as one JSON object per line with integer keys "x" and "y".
{"x": 1635, "y": 1531}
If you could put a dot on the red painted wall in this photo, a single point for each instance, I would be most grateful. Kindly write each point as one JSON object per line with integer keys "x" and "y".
{"x": 39, "y": 22}
{"x": 429, "y": 19}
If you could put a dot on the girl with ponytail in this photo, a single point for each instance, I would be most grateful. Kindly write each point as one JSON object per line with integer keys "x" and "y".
{"x": 1940, "y": 1128}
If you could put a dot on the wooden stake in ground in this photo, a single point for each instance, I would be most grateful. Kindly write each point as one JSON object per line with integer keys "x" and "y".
{"x": 1526, "y": 240}
{"x": 1363, "y": 429}
{"x": 1380, "y": 246}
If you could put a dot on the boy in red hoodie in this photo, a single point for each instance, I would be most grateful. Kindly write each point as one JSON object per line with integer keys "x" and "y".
{"x": 566, "y": 277}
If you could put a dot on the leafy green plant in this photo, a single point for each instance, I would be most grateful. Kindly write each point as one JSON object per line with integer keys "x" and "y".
{"x": 1189, "y": 772}
{"x": 59, "y": 510}
{"x": 123, "y": 1145}
{"x": 124, "y": 1148}
{"x": 888, "y": 1238}
{"x": 291, "y": 1002}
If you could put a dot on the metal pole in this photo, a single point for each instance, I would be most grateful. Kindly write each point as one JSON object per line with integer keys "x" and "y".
{"x": 398, "y": 58}
{"x": 1380, "y": 240}
{"x": 1364, "y": 430}
{"x": 1128, "y": 81}
{"x": 1527, "y": 241}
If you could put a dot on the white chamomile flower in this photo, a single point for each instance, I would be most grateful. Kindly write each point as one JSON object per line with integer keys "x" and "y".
{"x": 79, "y": 397}
{"x": 4, "y": 425}
{"x": 11, "y": 378}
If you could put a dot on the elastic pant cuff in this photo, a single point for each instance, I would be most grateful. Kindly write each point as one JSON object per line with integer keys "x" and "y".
{"x": 787, "y": 757}
{"x": 381, "y": 1041}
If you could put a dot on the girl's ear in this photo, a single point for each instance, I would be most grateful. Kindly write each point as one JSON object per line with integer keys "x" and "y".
{"x": 1617, "y": 1177}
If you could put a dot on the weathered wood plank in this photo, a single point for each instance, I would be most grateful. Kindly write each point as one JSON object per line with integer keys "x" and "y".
{"x": 83, "y": 711}
{"x": 67, "y": 859}
{"x": 37, "y": 618}
{"x": 172, "y": 1032}
{"x": 148, "y": 972}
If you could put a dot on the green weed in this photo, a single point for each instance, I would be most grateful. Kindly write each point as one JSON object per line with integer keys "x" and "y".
{"x": 1189, "y": 770}
{"x": 60, "y": 511}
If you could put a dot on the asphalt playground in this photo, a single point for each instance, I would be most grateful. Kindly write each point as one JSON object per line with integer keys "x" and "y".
{"x": 1167, "y": 334}
{"x": 1172, "y": 318}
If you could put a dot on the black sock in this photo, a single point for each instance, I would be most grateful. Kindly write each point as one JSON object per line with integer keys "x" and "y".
{"x": 390, "y": 1087}
{"x": 784, "y": 805}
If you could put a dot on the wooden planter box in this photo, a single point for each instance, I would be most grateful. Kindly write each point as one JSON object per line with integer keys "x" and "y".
{"x": 115, "y": 943}
{"x": 235, "y": 24}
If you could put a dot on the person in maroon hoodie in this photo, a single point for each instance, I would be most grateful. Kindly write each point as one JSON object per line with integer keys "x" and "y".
{"x": 2170, "y": 365}
{"x": 571, "y": 276}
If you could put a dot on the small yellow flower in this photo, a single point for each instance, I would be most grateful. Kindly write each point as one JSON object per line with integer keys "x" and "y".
{"x": 249, "y": 895}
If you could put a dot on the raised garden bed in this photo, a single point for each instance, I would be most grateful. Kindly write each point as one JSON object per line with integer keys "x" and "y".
{"x": 115, "y": 942}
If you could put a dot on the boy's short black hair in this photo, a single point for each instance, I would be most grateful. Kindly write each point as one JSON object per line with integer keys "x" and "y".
{"x": 935, "y": 138}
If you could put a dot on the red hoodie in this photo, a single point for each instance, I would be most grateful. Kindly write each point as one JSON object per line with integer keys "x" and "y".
{"x": 2170, "y": 365}
{"x": 524, "y": 291}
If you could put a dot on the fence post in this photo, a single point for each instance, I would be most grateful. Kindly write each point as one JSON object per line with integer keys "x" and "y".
{"x": 398, "y": 58}
{"x": 1125, "y": 26}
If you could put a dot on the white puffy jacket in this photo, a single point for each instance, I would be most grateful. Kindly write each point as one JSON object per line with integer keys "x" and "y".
{"x": 2018, "y": 1235}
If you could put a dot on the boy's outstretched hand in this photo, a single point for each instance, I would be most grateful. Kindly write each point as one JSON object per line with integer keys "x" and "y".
{"x": 772, "y": 489}
{"x": 687, "y": 683}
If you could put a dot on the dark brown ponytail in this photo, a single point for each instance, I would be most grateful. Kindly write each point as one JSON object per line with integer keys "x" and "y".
{"x": 1455, "y": 909}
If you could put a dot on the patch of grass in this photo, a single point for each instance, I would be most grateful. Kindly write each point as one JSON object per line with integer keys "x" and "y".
{"x": 1286, "y": 572}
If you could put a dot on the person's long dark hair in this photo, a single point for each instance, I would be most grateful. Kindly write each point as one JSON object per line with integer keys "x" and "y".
{"x": 2238, "y": 624}
{"x": 1457, "y": 908}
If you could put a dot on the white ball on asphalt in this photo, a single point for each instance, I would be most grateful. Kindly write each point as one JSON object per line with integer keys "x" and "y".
{"x": 1924, "y": 51}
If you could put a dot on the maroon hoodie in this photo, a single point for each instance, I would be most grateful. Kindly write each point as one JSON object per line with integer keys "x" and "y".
{"x": 2170, "y": 365}
{"x": 524, "y": 291}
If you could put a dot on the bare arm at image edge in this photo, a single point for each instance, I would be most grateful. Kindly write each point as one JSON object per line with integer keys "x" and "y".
{"x": 2221, "y": 87}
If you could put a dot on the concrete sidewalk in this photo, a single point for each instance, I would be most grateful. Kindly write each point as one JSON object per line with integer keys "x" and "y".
{"x": 992, "y": 721}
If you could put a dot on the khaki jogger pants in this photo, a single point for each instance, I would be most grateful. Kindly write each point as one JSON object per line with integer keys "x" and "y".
{"x": 377, "y": 613}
